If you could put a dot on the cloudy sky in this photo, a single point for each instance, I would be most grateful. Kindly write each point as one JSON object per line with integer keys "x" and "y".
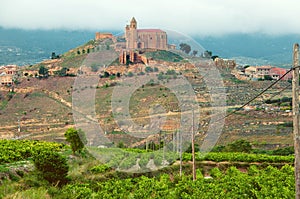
{"x": 196, "y": 17}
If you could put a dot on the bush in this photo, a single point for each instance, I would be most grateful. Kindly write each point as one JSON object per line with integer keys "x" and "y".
{"x": 52, "y": 166}
{"x": 239, "y": 146}
{"x": 148, "y": 69}
{"x": 130, "y": 74}
{"x": 76, "y": 138}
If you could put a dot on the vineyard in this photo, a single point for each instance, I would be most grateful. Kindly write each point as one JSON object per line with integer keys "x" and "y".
{"x": 90, "y": 178}
{"x": 267, "y": 183}
{"x": 17, "y": 150}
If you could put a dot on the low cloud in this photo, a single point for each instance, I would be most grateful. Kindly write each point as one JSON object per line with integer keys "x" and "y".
{"x": 195, "y": 17}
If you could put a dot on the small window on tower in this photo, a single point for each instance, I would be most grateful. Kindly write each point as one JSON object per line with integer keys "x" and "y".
{"x": 150, "y": 37}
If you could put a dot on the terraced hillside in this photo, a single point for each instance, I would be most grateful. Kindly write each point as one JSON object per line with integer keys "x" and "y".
{"x": 43, "y": 107}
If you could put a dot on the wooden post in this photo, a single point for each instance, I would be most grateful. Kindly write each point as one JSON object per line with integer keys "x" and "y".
{"x": 296, "y": 120}
{"x": 193, "y": 148}
{"x": 180, "y": 152}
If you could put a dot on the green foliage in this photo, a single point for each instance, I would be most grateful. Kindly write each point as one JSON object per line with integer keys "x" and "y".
{"x": 112, "y": 77}
{"x": 239, "y": 146}
{"x": 52, "y": 166}
{"x": 17, "y": 150}
{"x": 195, "y": 52}
{"x": 100, "y": 168}
{"x": 279, "y": 101}
{"x": 54, "y": 56}
{"x": 164, "y": 56}
{"x": 76, "y": 138}
{"x": 130, "y": 74}
{"x": 43, "y": 71}
{"x": 170, "y": 74}
{"x": 266, "y": 183}
{"x": 284, "y": 151}
{"x": 185, "y": 48}
{"x": 148, "y": 69}
{"x": 268, "y": 77}
{"x": 239, "y": 157}
{"x": 62, "y": 72}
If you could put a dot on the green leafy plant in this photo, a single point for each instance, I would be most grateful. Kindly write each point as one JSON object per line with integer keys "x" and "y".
{"x": 52, "y": 166}
{"x": 76, "y": 138}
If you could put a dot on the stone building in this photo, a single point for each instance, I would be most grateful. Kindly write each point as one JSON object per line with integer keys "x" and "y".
{"x": 225, "y": 63}
{"x": 99, "y": 36}
{"x": 7, "y": 74}
{"x": 144, "y": 38}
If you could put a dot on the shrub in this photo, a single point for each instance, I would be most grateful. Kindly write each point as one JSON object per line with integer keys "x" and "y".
{"x": 76, "y": 138}
{"x": 52, "y": 166}
{"x": 239, "y": 146}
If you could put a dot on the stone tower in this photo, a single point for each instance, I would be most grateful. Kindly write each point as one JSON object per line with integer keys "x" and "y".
{"x": 133, "y": 23}
{"x": 131, "y": 34}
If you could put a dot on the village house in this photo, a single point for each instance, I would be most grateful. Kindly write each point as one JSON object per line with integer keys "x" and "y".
{"x": 260, "y": 72}
{"x": 277, "y": 73}
{"x": 257, "y": 72}
{"x": 99, "y": 36}
{"x": 7, "y": 74}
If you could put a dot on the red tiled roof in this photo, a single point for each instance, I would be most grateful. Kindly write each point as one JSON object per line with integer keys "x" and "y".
{"x": 149, "y": 30}
{"x": 280, "y": 72}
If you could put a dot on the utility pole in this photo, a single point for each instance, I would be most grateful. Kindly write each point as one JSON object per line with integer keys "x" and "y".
{"x": 180, "y": 151}
{"x": 193, "y": 148}
{"x": 296, "y": 120}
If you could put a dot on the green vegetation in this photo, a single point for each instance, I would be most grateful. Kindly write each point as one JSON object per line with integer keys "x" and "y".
{"x": 279, "y": 101}
{"x": 52, "y": 166}
{"x": 239, "y": 157}
{"x": 185, "y": 48}
{"x": 84, "y": 177}
{"x": 170, "y": 74}
{"x": 164, "y": 56}
{"x": 17, "y": 150}
{"x": 76, "y": 138}
{"x": 265, "y": 183}
{"x": 43, "y": 72}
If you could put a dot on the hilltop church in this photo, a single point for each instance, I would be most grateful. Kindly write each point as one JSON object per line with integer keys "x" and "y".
{"x": 144, "y": 38}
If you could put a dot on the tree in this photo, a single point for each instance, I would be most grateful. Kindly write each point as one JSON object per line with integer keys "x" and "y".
{"x": 54, "y": 56}
{"x": 185, "y": 48}
{"x": 52, "y": 166}
{"x": 268, "y": 77}
{"x": 239, "y": 146}
{"x": 214, "y": 57}
{"x": 106, "y": 74}
{"x": 195, "y": 52}
{"x": 62, "y": 72}
{"x": 43, "y": 71}
{"x": 207, "y": 54}
{"x": 76, "y": 138}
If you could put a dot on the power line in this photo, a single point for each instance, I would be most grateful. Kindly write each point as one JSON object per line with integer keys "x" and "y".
{"x": 277, "y": 93}
{"x": 259, "y": 94}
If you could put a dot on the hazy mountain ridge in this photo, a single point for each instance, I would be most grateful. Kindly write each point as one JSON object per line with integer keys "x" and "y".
{"x": 24, "y": 47}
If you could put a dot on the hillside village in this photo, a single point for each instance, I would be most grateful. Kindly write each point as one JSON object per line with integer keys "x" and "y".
{"x": 138, "y": 52}
{"x": 39, "y": 135}
{"x": 136, "y": 46}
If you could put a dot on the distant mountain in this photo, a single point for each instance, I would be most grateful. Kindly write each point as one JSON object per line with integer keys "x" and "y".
{"x": 24, "y": 47}
{"x": 253, "y": 49}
